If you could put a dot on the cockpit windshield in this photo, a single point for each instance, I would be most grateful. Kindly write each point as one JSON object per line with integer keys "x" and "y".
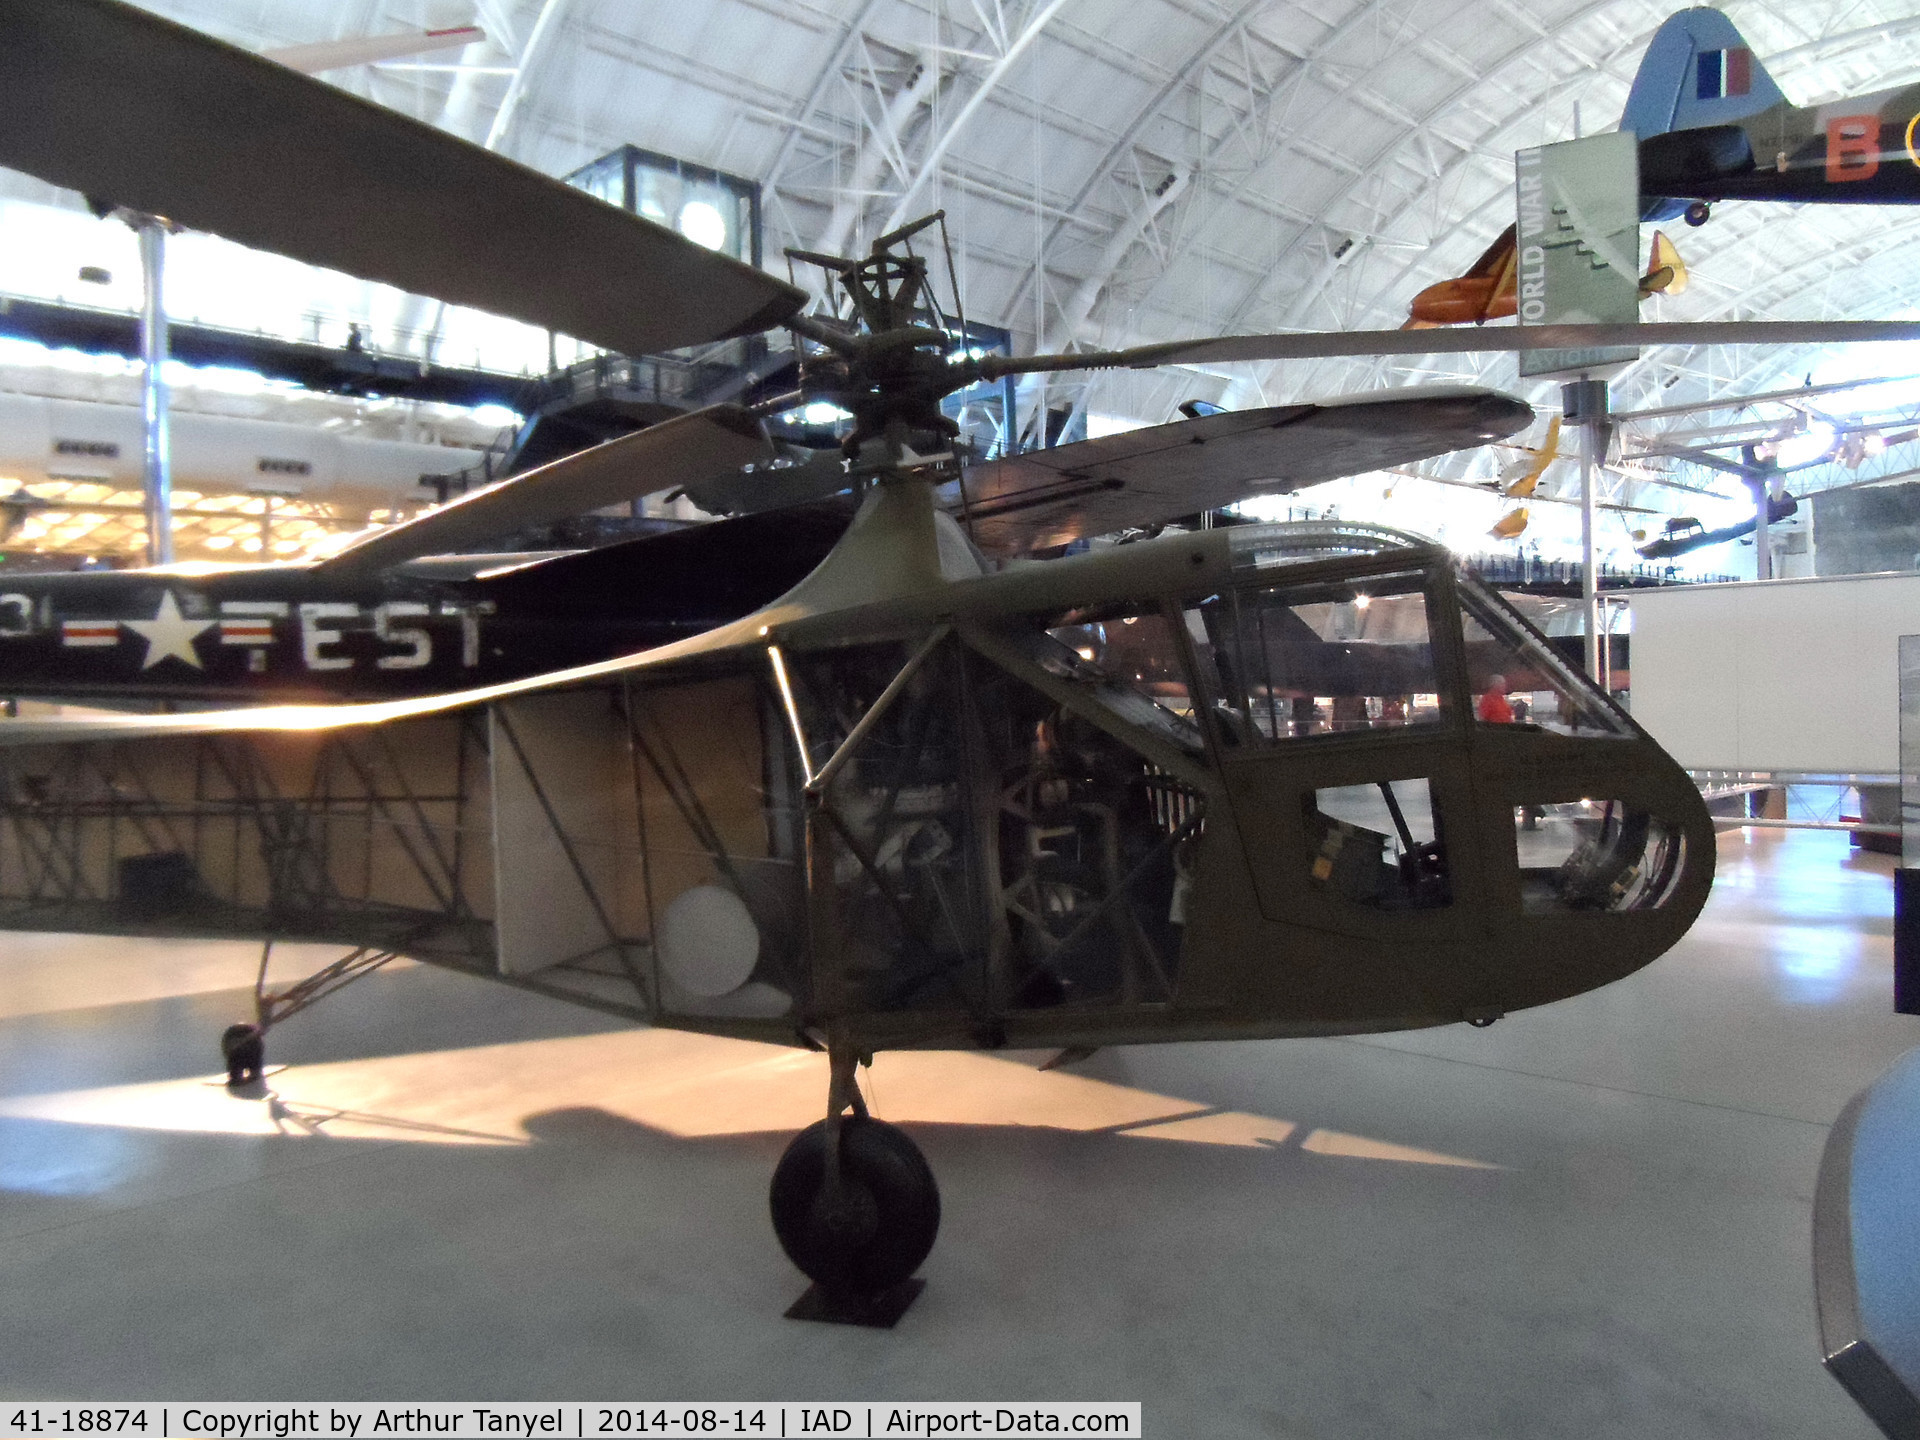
{"x": 1516, "y": 677}
{"x": 1323, "y": 657}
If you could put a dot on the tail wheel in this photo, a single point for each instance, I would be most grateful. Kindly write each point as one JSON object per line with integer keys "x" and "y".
{"x": 875, "y": 1232}
{"x": 1698, "y": 213}
{"x": 244, "y": 1049}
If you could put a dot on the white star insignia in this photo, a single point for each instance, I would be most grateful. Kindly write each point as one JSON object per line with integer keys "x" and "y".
{"x": 169, "y": 634}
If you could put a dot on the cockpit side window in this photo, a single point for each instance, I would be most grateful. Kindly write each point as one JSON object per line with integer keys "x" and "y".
{"x": 1516, "y": 678}
{"x": 1595, "y": 855}
{"x": 1323, "y": 658}
{"x": 1131, "y": 654}
{"x": 1379, "y": 845}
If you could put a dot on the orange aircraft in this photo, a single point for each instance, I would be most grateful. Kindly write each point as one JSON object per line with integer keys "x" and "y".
{"x": 1486, "y": 292}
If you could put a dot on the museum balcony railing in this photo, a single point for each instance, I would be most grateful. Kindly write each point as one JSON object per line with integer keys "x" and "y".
{"x": 1530, "y": 572}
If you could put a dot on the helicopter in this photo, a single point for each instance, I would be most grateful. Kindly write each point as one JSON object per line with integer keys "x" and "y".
{"x": 1231, "y": 783}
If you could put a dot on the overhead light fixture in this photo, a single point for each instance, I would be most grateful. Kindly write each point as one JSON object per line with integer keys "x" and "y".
{"x": 703, "y": 224}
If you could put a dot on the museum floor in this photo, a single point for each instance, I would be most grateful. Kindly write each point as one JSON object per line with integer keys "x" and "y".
{"x": 1589, "y": 1220}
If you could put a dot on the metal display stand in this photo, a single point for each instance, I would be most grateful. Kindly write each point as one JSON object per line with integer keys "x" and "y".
{"x": 1906, "y": 879}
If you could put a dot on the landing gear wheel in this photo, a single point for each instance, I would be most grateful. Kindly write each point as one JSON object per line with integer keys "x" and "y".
{"x": 244, "y": 1048}
{"x": 886, "y": 1216}
{"x": 1698, "y": 213}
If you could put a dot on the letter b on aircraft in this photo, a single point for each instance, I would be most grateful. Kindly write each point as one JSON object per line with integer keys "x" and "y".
{"x": 1853, "y": 147}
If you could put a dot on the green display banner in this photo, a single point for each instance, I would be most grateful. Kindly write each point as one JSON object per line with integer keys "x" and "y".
{"x": 1578, "y": 235}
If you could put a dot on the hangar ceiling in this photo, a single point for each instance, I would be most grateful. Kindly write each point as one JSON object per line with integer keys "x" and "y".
{"x": 1115, "y": 174}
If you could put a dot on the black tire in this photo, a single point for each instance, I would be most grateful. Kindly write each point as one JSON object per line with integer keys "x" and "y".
{"x": 1698, "y": 213}
{"x": 890, "y": 1211}
{"x": 244, "y": 1048}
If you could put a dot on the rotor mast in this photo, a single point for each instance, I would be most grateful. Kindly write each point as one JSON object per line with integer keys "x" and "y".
{"x": 892, "y": 373}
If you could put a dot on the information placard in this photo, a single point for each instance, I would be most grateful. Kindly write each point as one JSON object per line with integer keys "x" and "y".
{"x": 1577, "y": 237}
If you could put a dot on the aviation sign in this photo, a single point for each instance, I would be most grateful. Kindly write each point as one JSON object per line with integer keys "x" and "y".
{"x": 1578, "y": 230}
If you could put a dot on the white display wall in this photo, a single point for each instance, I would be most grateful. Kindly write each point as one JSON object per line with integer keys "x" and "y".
{"x": 1785, "y": 675}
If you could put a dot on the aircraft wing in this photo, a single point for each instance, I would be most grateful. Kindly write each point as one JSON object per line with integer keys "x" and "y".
{"x": 1148, "y": 477}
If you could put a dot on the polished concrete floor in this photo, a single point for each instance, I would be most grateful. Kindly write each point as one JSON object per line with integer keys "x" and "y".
{"x": 1589, "y": 1220}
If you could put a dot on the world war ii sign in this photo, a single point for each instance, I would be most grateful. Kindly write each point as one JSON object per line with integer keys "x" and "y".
{"x": 1578, "y": 231}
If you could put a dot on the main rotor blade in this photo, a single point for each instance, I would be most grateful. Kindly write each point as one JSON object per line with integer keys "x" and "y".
{"x": 126, "y": 107}
{"x": 766, "y": 488}
{"x": 323, "y": 55}
{"x": 1148, "y": 477}
{"x": 1226, "y": 348}
{"x": 685, "y": 448}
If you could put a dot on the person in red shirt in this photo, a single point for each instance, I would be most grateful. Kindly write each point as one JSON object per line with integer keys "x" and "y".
{"x": 1494, "y": 707}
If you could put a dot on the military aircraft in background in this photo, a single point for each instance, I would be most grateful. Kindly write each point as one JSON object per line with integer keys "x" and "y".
{"x": 1685, "y": 534}
{"x": 1488, "y": 292}
{"x": 1713, "y": 125}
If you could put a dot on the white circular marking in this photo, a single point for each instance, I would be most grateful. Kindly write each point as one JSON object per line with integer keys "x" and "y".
{"x": 708, "y": 941}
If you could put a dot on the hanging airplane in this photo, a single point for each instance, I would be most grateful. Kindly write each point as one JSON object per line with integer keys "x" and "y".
{"x": 1522, "y": 476}
{"x": 1685, "y": 534}
{"x": 1713, "y": 125}
{"x": 1225, "y": 784}
{"x": 1487, "y": 291}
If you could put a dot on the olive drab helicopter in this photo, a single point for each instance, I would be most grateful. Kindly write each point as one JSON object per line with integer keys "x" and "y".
{"x": 1230, "y": 783}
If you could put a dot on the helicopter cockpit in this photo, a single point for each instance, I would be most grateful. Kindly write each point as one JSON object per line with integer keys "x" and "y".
{"x": 1276, "y": 779}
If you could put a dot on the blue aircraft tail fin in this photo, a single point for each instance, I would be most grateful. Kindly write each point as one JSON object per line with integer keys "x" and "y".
{"x": 1697, "y": 72}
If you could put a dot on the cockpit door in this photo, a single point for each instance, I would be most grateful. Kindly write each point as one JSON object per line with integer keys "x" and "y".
{"x": 1343, "y": 750}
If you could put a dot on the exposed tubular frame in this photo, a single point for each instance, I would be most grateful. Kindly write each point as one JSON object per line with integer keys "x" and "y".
{"x": 271, "y": 1006}
{"x": 294, "y": 859}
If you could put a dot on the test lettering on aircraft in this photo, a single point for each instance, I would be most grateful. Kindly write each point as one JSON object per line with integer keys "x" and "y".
{"x": 320, "y": 630}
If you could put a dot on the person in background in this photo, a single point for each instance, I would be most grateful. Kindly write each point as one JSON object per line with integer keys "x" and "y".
{"x": 1493, "y": 706}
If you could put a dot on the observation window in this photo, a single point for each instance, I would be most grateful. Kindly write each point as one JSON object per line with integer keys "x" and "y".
{"x": 1516, "y": 678}
{"x": 1322, "y": 659}
{"x": 1131, "y": 653}
{"x": 1379, "y": 845}
{"x": 1595, "y": 855}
